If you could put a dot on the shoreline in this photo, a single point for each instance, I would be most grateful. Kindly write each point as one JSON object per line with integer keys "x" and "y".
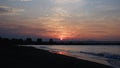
{"x": 30, "y": 57}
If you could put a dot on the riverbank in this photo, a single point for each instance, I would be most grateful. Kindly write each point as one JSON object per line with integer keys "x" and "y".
{"x": 28, "y": 57}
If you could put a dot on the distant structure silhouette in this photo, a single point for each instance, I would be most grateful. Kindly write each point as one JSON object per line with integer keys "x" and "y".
{"x": 28, "y": 41}
{"x": 39, "y": 41}
{"x": 51, "y": 41}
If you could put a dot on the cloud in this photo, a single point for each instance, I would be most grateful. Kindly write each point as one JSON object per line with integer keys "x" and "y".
{"x": 18, "y": 0}
{"x": 5, "y": 10}
{"x": 25, "y": 0}
{"x": 66, "y": 1}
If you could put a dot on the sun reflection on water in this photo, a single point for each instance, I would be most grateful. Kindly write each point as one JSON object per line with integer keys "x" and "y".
{"x": 59, "y": 52}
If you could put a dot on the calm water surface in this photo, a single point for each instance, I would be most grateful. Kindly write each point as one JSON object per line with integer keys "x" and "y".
{"x": 104, "y": 54}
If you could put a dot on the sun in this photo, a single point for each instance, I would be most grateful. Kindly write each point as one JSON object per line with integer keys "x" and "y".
{"x": 61, "y": 38}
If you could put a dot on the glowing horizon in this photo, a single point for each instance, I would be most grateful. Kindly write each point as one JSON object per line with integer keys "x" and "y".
{"x": 61, "y": 19}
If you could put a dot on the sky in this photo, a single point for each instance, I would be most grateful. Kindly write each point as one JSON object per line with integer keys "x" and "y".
{"x": 60, "y": 19}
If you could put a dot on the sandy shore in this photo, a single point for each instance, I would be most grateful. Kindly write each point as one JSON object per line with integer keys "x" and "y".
{"x": 29, "y": 57}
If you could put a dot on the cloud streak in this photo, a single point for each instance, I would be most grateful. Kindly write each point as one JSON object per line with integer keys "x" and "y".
{"x": 25, "y": 0}
{"x": 18, "y": 0}
{"x": 5, "y": 10}
{"x": 66, "y": 1}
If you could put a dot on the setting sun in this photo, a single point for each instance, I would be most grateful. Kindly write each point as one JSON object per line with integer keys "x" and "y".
{"x": 61, "y": 38}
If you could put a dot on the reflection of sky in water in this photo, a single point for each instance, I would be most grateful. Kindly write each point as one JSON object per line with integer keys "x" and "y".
{"x": 81, "y": 56}
{"x": 108, "y": 55}
{"x": 100, "y": 54}
{"x": 95, "y": 49}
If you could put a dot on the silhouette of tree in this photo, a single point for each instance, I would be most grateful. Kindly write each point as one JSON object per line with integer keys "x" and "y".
{"x": 14, "y": 41}
{"x": 51, "y": 41}
{"x": 28, "y": 41}
{"x": 0, "y": 38}
{"x": 5, "y": 41}
{"x": 39, "y": 41}
{"x": 20, "y": 41}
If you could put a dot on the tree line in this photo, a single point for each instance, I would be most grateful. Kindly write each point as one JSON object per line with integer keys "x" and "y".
{"x": 27, "y": 41}
{"x": 39, "y": 41}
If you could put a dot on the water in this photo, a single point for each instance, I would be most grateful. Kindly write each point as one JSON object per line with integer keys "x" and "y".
{"x": 104, "y": 54}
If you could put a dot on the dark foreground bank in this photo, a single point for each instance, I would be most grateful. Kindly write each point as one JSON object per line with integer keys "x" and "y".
{"x": 29, "y": 57}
